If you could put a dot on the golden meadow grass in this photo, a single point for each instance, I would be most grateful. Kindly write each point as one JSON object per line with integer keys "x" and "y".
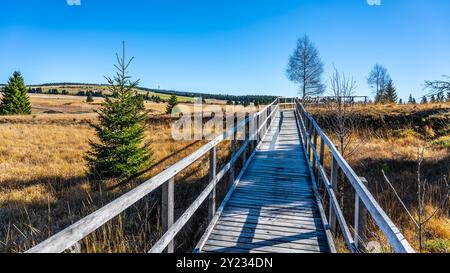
{"x": 43, "y": 184}
{"x": 394, "y": 150}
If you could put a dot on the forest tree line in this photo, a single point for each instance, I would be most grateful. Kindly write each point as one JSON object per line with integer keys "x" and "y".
{"x": 230, "y": 99}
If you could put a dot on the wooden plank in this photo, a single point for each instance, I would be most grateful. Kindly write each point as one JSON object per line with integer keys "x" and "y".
{"x": 312, "y": 224}
{"x": 249, "y": 186}
{"x": 268, "y": 210}
{"x": 297, "y": 225}
{"x": 307, "y": 218}
{"x": 299, "y": 197}
{"x": 220, "y": 249}
{"x": 312, "y": 237}
{"x": 273, "y": 208}
{"x": 295, "y": 187}
{"x": 277, "y": 205}
{"x": 289, "y": 243}
{"x": 307, "y": 238}
{"x": 271, "y": 192}
{"x": 293, "y": 212}
{"x": 251, "y": 246}
{"x": 267, "y": 227}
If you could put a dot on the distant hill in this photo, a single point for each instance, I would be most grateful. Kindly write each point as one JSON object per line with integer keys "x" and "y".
{"x": 75, "y": 88}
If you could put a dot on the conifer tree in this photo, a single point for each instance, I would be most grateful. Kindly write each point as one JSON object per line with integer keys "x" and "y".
{"x": 15, "y": 99}
{"x": 432, "y": 99}
{"x": 89, "y": 97}
{"x": 440, "y": 97}
{"x": 411, "y": 100}
{"x": 390, "y": 93}
{"x": 173, "y": 101}
{"x": 120, "y": 152}
{"x": 424, "y": 100}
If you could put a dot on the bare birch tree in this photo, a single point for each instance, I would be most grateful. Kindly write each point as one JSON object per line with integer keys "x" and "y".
{"x": 440, "y": 88}
{"x": 378, "y": 80}
{"x": 342, "y": 87}
{"x": 306, "y": 68}
{"x": 344, "y": 122}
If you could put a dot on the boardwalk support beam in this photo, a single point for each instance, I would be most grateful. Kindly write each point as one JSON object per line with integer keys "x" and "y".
{"x": 360, "y": 224}
{"x": 212, "y": 176}
{"x": 167, "y": 209}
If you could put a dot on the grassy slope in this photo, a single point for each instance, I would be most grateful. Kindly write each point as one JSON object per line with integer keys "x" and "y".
{"x": 75, "y": 88}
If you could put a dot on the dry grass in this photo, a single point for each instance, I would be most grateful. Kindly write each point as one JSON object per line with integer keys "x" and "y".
{"x": 392, "y": 146}
{"x": 44, "y": 188}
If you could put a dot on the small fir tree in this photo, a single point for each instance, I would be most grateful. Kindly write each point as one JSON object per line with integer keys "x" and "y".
{"x": 89, "y": 97}
{"x": 120, "y": 151}
{"x": 424, "y": 100}
{"x": 411, "y": 100}
{"x": 171, "y": 104}
{"x": 15, "y": 100}
{"x": 390, "y": 93}
{"x": 432, "y": 99}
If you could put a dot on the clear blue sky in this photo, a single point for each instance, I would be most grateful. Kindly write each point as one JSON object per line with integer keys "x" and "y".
{"x": 224, "y": 46}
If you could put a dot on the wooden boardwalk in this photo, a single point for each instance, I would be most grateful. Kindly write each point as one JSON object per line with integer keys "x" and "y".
{"x": 273, "y": 208}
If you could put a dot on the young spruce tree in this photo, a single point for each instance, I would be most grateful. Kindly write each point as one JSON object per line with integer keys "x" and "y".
{"x": 173, "y": 101}
{"x": 120, "y": 152}
{"x": 390, "y": 93}
{"x": 15, "y": 99}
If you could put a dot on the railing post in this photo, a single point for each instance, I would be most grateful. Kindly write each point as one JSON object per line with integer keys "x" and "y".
{"x": 257, "y": 129}
{"x": 251, "y": 132}
{"x": 212, "y": 176}
{"x": 332, "y": 214}
{"x": 167, "y": 211}
{"x": 244, "y": 138}
{"x": 306, "y": 120}
{"x": 315, "y": 149}
{"x": 360, "y": 224}
{"x": 321, "y": 155}
{"x": 310, "y": 133}
{"x": 233, "y": 149}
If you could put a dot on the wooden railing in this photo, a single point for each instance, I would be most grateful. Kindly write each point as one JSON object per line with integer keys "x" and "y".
{"x": 70, "y": 236}
{"x": 364, "y": 201}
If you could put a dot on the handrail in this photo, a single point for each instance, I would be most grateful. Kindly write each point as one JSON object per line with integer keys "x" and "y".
{"x": 83, "y": 227}
{"x": 176, "y": 227}
{"x": 333, "y": 198}
{"x": 392, "y": 233}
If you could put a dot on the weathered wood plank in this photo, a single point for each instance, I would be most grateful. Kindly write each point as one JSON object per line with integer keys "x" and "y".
{"x": 285, "y": 242}
{"x": 308, "y": 237}
{"x": 267, "y": 227}
{"x": 253, "y": 246}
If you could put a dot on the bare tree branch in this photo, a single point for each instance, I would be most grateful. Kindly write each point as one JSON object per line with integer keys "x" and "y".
{"x": 399, "y": 199}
